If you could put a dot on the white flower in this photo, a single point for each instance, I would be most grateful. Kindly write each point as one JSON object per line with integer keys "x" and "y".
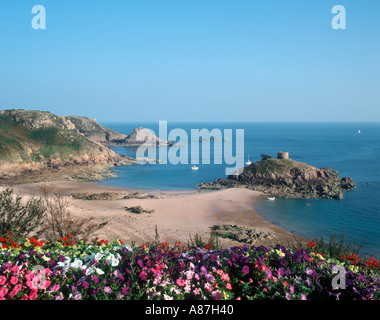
{"x": 128, "y": 247}
{"x": 99, "y": 271}
{"x": 89, "y": 271}
{"x": 111, "y": 260}
{"x": 98, "y": 256}
{"x": 77, "y": 264}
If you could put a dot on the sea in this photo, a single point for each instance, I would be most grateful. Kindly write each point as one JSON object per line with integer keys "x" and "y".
{"x": 351, "y": 148}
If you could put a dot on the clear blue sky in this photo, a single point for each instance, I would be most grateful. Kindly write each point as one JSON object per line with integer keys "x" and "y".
{"x": 192, "y": 60}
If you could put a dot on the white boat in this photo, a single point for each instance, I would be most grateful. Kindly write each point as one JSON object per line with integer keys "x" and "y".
{"x": 271, "y": 198}
{"x": 194, "y": 168}
{"x": 359, "y": 132}
{"x": 248, "y": 162}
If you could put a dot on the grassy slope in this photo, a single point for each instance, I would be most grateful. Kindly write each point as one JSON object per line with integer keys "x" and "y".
{"x": 22, "y": 144}
{"x": 277, "y": 166}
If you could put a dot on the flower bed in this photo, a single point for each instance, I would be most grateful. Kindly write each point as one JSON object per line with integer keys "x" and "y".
{"x": 105, "y": 270}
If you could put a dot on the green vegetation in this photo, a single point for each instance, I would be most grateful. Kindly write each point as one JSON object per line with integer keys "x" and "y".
{"x": 25, "y": 137}
{"x": 46, "y": 216}
{"x": 275, "y": 166}
{"x": 21, "y": 219}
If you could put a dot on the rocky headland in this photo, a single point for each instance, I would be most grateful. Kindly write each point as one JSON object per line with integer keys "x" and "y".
{"x": 107, "y": 137}
{"x": 287, "y": 178}
{"x": 41, "y": 146}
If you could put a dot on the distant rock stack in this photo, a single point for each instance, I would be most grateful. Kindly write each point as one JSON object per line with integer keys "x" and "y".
{"x": 283, "y": 155}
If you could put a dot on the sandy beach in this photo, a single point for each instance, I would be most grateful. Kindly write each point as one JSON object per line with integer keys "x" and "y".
{"x": 177, "y": 214}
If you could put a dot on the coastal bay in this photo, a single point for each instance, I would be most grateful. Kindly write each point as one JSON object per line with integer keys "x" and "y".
{"x": 178, "y": 215}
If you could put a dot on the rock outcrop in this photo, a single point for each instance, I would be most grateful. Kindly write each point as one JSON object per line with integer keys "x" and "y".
{"x": 37, "y": 144}
{"x": 95, "y": 131}
{"x": 141, "y": 136}
{"x": 287, "y": 178}
{"x": 107, "y": 137}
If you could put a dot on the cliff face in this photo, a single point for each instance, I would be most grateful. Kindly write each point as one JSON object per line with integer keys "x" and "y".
{"x": 287, "y": 178}
{"x": 35, "y": 141}
{"x": 107, "y": 137}
{"x": 95, "y": 131}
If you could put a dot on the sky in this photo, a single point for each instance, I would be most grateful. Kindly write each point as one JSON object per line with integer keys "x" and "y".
{"x": 192, "y": 60}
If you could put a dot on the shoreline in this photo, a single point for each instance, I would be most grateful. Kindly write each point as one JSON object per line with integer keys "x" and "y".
{"x": 178, "y": 215}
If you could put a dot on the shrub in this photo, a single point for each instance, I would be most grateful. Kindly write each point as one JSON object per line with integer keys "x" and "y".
{"x": 18, "y": 218}
{"x": 59, "y": 222}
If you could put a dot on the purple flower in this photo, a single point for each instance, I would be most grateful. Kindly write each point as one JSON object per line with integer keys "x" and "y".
{"x": 107, "y": 290}
{"x": 280, "y": 272}
{"x": 209, "y": 277}
{"x": 309, "y": 271}
{"x": 95, "y": 278}
{"x": 291, "y": 289}
{"x": 77, "y": 296}
{"x": 85, "y": 285}
{"x": 59, "y": 297}
{"x": 54, "y": 287}
{"x": 303, "y": 297}
{"x": 218, "y": 296}
{"x": 245, "y": 269}
{"x": 288, "y": 296}
{"x": 143, "y": 275}
{"x": 140, "y": 263}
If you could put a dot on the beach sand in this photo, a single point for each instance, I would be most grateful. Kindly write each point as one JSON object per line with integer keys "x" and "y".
{"x": 178, "y": 215}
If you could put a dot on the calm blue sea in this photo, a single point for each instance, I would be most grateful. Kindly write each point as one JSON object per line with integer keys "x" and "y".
{"x": 335, "y": 145}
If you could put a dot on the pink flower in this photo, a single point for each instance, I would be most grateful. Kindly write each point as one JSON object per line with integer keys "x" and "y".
{"x": 15, "y": 290}
{"x": 47, "y": 271}
{"x": 33, "y": 295}
{"x": 29, "y": 284}
{"x": 225, "y": 277}
{"x": 3, "y": 291}
{"x": 29, "y": 276}
{"x": 14, "y": 280}
{"x": 14, "y": 269}
{"x": 25, "y": 297}
{"x": 180, "y": 282}
{"x": 46, "y": 284}
{"x": 229, "y": 287}
{"x": 3, "y": 280}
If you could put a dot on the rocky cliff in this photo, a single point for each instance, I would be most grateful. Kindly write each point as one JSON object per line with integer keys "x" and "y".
{"x": 287, "y": 178}
{"x": 36, "y": 143}
{"x": 95, "y": 131}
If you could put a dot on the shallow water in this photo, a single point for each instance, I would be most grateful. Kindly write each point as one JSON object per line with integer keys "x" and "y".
{"x": 334, "y": 145}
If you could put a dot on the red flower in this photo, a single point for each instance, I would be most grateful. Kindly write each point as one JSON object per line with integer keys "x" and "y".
{"x": 311, "y": 243}
{"x": 207, "y": 246}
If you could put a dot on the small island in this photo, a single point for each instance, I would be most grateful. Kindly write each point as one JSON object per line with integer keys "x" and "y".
{"x": 287, "y": 178}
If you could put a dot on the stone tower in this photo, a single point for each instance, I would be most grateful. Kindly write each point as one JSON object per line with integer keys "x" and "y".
{"x": 283, "y": 155}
